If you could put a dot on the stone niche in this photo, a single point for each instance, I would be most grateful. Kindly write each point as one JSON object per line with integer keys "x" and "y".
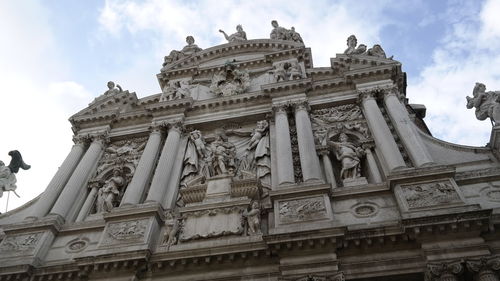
{"x": 216, "y": 208}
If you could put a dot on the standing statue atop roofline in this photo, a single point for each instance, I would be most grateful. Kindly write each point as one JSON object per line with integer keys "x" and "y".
{"x": 7, "y": 173}
{"x": 240, "y": 35}
{"x": 487, "y": 104}
{"x": 354, "y": 49}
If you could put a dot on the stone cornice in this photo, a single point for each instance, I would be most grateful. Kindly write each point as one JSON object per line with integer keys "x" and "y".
{"x": 229, "y": 100}
{"x": 232, "y": 49}
{"x": 170, "y": 107}
{"x": 287, "y": 88}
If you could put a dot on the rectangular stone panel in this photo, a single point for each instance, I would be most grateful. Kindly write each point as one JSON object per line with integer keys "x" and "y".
{"x": 303, "y": 209}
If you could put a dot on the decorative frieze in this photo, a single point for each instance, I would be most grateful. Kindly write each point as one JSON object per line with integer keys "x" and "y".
{"x": 20, "y": 244}
{"x": 132, "y": 231}
{"x": 446, "y": 271}
{"x": 303, "y": 209}
{"x": 430, "y": 194}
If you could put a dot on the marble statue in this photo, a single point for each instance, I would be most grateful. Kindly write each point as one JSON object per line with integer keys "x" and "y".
{"x": 349, "y": 156}
{"x": 107, "y": 194}
{"x": 352, "y": 42}
{"x": 191, "y": 47}
{"x": 171, "y": 229}
{"x": 176, "y": 90}
{"x": 376, "y": 51}
{"x": 281, "y": 33}
{"x": 294, "y": 71}
{"x": 240, "y": 35}
{"x": 487, "y": 104}
{"x": 253, "y": 219}
{"x": 112, "y": 89}
{"x": 224, "y": 154}
{"x": 199, "y": 142}
{"x": 7, "y": 173}
{"x": 230, "y": 81}
{"x": 188, "y": 50}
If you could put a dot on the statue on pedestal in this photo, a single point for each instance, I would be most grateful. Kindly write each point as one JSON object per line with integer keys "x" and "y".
{"x": 253, "y": 219}
{"x": 486, "y": 103}
{"x": 240, "y": 35}
{"x": 108, "y": 193}
{"x": 7, "y": 173}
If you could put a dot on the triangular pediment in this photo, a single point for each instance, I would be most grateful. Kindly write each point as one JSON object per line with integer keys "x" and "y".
{"x": 107, "y": 105}
{"x": 343, "y": 63}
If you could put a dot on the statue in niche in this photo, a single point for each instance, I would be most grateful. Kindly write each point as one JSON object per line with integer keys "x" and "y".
{"x": 287, "y": 71}
{"x": 224, "y": 154}
{"x": 486, "y": 103}
{"x": 349, "y": 156}
{"x": 112, "y": 90}
{"x": 352, "y": 42}
{"x": 240, "y": 35}
{"x": 188, "y": 50}
{"x": 176, "y": 90}
{"x": 253, "y": 219}
{"x": 109, "y": 192}
{"x": 230, "y": 81}
{"x": 7, "y": 173}
{"x": 171, "y": 229}
{"x": 281, "y": 33}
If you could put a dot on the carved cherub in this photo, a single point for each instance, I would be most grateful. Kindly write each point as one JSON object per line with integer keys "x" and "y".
{"x": 171, "y": 229}
{"x": 253, "y": 219}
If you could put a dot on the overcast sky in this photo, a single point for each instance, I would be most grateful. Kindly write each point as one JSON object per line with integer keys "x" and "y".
{"x": 57, "y": 56}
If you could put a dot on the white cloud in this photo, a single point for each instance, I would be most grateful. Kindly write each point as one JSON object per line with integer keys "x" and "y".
{"x": 35, "y": 104}
{"x": 461, "y": 60}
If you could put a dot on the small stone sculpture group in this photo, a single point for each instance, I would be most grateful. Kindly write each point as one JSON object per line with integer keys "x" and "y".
{"x": 176, "y": 90}
{"x": 487, "y": 104}
{"x": 281, "y": 33}
{"x": 287, "y": 71}
{"x": 230, "y": 81}
{"x": 187, "y": 51}
{"x": 353, "y": 49}
{"x": 7, "y": 173}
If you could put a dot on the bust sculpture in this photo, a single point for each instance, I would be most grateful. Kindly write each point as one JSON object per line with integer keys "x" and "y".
{"x": 487, "y": 104}
{"x": 240, "y": 35}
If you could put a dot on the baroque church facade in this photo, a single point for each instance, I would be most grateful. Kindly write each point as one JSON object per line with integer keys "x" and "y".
{"x": 252, "y": 164}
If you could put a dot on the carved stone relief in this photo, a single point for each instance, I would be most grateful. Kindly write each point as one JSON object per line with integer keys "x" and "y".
{"x": 344, "y": 118}
{"x": 126, "y": 231}
{"x": 22, "y": 243}
{"x": 172, "y": 227}
{"x": 430, "y": 194}
{"x": 77, "y": 245}
{"x": 252, "y": 219}
{"x": 285, "y": 71}
{"x": 305, "y": 209}
{"x": 364, "y": 210}
{"x": 124, "y": 152}
{"x": 175, "y": 90}
{"x": 230, "y": 81}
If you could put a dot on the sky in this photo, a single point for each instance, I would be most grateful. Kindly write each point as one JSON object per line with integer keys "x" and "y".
{"x": 57, "y": 56}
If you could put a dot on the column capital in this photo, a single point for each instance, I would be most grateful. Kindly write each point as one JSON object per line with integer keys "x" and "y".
{"x": 101, "y": 138}
{"x": 483, "y": 263}
{"x": 300, "y": 105}
{"x": 176, "y": 125}
{"x": 280, "y": 108}
{"x": 366, "y": 94}
{"x": 436, "y": 271}
{"x": 81, "y": 140}
{"x": 156, "y": 127}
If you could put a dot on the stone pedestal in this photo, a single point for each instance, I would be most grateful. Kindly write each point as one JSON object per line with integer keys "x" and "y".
{"x": 355, "y": 182}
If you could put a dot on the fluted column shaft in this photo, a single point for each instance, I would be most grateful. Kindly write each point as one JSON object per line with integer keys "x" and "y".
{"x": 381, "y": 133}
{"x": 411, "y": 140}
{"x": 309, "y": 161}
{"x": 56, "y": 185}
{"x": 165, "y": 164}
{"x": 144, "y": 169}
{"x": 372, "y": 166}
{"x": 283, "y": 147}
{"x": 76, "y": 183}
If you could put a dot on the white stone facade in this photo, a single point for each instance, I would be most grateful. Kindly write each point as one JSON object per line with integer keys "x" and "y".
{"x": 252, "y": 164}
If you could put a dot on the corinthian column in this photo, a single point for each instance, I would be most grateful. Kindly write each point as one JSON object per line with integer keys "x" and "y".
{"x": 381, "y": 133}
{"x": 144, "y": 169}
{"x": 77, "y": 181}
{"x": 405, "y": 128}
{"x": 283, "y": 146}
{"x": 309, "y": 161}
{"x": 165, "y": 164}
{"x": 56, "y": 185}
{"x": 444, "y": 271}
{"x": 484, "y": 268}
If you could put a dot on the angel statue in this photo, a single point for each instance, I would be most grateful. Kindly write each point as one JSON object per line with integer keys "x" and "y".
{"x": 7, "y": 173}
